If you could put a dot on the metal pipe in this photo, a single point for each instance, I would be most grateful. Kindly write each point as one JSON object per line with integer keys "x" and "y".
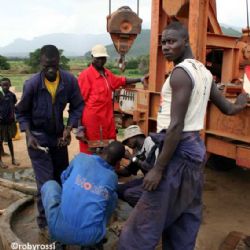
{"x": 247, "y": 18}
{"x": 138, "y": 7}
{"x": 109, "y": 7}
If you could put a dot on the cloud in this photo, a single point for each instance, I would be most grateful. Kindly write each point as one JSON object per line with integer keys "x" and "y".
{"x": 232, "y": 13}
{"x": 30, "y": 18}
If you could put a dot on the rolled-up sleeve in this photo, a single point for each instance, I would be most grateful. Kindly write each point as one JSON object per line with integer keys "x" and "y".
{"x": 117, "y": 81}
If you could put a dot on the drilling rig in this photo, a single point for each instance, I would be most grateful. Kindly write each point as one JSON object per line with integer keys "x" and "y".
{"x": 227, "y": 58}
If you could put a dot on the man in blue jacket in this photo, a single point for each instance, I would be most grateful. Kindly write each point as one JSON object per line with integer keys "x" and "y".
{"x": 40, "y": 115}
{"x": 78, "y": 213}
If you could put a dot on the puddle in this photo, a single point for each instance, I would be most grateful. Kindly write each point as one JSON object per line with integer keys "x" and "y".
{"x": 20, "y": 175}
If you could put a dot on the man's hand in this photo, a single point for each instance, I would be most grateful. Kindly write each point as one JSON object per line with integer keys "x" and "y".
{"x": 128, "y": 155}
{"x": 242, "y": 100}
{"x": 80, "y": 134}
{"x": 32, "y": 141}
{"x": 152, "y": 179}
{"x": 65, "y": 139}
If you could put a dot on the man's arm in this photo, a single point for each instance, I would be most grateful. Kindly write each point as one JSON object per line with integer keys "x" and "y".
{"x": 23, "y": 109}
{"x": 75, "y": 105}
{"x": 181, "y": 85}
{"x": 75, "y": 112}
{"x": 133, "y": 80}
{"x": 224, "y": 105}
{"x": 142, "y": 80}
{"x": 23, "y": 112}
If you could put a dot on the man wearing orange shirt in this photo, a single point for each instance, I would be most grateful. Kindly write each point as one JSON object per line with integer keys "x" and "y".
{"x": 97, "y": 85}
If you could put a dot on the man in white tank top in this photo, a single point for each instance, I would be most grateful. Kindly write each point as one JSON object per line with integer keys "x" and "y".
{"x": 171, "y": 205}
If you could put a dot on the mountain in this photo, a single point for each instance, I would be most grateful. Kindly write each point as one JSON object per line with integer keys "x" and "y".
{"x": 72, "y": 44}
{"x": 79, "y": 45}
{"x": 142, "y": 43}
{"x": 140, "y": 47}
{"x": 231, "y": 31}
{"x": 236, "y": 28}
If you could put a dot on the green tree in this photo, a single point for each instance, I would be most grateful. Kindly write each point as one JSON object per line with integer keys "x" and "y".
{"x": 64, "y": 61}
{"x": 3, "y": 63}
{"x": 132, "y": 63}
{"x": 34, "y": 61}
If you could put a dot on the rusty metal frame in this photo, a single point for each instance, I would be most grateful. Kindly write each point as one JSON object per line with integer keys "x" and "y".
{"x": 223, "y": 135}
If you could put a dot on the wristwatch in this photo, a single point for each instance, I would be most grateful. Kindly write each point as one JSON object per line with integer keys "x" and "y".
{"x": 135, "y": 159}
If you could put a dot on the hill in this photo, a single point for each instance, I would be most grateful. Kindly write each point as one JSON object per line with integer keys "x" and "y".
{"x": 142, "y": 43}
{"x": 72, "y": 44}
{"x": 140, "y": 47}
{"x": 75, "y": 45}
{"x": 230, "y": 31}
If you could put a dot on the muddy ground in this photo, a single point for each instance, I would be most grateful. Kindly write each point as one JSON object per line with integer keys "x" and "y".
{"x": 226, "y": 199}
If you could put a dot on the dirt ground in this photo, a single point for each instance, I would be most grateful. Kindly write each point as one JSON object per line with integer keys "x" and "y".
{"x": 226, "y": 198}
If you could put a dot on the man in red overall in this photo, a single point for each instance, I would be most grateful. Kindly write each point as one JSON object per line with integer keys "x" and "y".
{"x": 97, "y": 85}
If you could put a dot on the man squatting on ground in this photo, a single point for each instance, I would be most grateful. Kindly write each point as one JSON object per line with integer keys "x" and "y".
{"x": 171, "y": 205}
{"x": 145, "y": 151}
{"x": 78, "y": 212}
{"x": 40, "y": 115}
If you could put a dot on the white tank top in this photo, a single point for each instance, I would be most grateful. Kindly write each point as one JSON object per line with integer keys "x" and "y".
{"x": 202, "y": 82}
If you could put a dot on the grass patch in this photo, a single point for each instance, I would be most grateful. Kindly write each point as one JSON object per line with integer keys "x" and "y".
{"x": 17, "y": 80}
{"x": 18, "y": 71}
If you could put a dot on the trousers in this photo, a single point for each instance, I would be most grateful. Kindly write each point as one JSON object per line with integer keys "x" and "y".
{"x": 60, "y": 229}
{"x": 174, "y": 210}
{"x": 130, "y": 191}
{"x": 47, "y": 166}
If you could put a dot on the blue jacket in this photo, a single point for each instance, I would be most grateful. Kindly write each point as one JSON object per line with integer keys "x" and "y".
{"x": 88, "y": 198}
{"x": 7, "y": 108}
{"x": 36, "y": 110}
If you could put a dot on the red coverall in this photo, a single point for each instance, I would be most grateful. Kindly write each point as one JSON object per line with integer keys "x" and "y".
{"x": 96, "y": 91}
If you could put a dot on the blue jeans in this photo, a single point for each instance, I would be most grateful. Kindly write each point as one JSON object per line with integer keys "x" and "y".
{"x": 174, "y": 210}
{"x": 59, "y": 229}
{"x": 51, "y": 193}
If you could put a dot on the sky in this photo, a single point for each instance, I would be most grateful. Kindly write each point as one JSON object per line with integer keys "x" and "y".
{"x": 27, "y": 19}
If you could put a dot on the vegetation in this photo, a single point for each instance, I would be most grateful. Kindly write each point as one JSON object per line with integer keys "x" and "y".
{"x": 20, "y": 71}
{"x": 3, "y": 63}
{"x": 34, "y": 61}
{"x": 137, "y": 61}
